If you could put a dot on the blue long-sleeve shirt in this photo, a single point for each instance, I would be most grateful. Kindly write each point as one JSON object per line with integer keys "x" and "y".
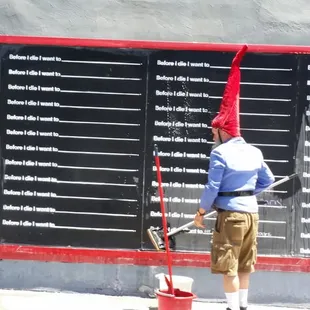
{"x": 235, "y": 166}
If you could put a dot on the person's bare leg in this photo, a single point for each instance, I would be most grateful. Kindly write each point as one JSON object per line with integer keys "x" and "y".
{"x": 231, "y": 288}
{"x": 244, "y": 283}
{"x": 231, "y": 284}
{"x": 244, "y": 280}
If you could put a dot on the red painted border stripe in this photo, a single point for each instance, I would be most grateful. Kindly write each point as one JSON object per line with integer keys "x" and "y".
{"x": 192, "y": 46}
{"x": 144, "y": 258}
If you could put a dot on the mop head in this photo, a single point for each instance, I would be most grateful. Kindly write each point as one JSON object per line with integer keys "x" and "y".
{"x": 157, "y": 238}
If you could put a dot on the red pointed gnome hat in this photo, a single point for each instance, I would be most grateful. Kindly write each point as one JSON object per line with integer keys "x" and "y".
{"x": 228, "y": 118}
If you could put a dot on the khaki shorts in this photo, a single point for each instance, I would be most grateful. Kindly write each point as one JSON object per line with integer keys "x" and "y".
{"x": 234, "y": 243}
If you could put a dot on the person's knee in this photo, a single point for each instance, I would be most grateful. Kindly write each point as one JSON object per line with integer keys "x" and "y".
{"x": 244, "y": 276}
{"x": 230, "y": 278}
{"x": 231, "y": 283}
{"x": 244, "y": 280}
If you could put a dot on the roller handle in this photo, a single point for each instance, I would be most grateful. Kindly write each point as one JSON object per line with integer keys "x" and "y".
{"x": 285, "y": 179}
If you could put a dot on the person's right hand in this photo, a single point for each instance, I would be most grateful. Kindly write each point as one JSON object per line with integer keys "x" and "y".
{"x": 198, "y": 220}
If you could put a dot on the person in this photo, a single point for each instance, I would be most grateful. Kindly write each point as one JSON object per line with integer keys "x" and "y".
{"x": 237, "y": 173}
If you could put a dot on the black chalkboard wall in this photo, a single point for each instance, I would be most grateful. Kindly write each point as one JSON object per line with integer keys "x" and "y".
{"x": 77, "y": 133}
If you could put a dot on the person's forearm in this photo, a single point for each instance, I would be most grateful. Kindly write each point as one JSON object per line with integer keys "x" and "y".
{"x": 262, "y": 186}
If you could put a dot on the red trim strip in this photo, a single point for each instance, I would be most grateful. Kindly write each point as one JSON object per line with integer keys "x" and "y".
{"x": 147, "y": 258}
{"x": 141, "y": 258}
{"x": 192, "y": 46}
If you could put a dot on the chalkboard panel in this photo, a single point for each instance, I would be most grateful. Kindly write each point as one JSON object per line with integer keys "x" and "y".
{"x": 301, "y": 198}
{"x": 185, "y": 90}
{"x": 78, "y": 126}
{"x": 72, "y": 143}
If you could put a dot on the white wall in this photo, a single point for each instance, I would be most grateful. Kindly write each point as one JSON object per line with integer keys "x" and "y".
{"x": 251, "y": 21}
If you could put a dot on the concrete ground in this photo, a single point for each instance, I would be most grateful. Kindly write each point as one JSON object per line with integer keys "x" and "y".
{"x": 29, "y": 300}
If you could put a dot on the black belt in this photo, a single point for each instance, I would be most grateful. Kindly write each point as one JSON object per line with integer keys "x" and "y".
{"x": 236, "y": 194}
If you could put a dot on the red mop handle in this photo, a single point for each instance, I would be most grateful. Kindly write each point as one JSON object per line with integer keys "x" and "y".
{"x": 164, "y": 220}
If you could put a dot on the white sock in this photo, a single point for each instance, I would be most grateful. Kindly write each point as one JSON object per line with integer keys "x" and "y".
{"x": 233, "y": 300}
{"x": 243, "y": 297}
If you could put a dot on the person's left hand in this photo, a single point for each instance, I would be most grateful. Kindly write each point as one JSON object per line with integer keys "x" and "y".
{"x": 198, "y": 221}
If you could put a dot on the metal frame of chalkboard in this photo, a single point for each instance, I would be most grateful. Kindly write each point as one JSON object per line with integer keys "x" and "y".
{"x": 138, "y": 257}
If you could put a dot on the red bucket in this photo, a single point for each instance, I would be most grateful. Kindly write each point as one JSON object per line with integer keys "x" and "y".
{"x": 181, "y": 300}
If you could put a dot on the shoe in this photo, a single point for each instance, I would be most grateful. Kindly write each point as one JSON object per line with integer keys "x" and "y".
{"x": 243, "y": 308}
